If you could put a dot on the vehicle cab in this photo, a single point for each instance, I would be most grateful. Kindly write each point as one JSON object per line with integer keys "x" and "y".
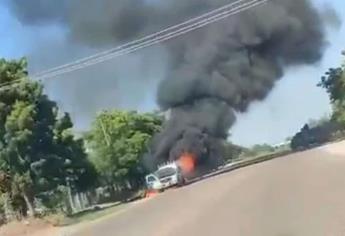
{"x": 152, "y": 182}
{"x": 166, "y": 176}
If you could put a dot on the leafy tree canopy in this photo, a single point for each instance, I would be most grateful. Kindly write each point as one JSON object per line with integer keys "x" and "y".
{"x": 334, "y": 83}
{"x": 118, "y": 140}
{"x": 37, "y": 148}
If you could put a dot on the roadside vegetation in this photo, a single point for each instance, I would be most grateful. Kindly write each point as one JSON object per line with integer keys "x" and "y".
{"x": 47, "y": 170}
{"x": 330, "y": 128}
{"x": 88, "y": 215}
{"x": 117, "y": 141}
{"x": 39, "y": 155}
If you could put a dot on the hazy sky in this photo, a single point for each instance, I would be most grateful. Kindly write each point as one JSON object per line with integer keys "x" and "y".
{"x": 296, "y": 98}
{"x": 294, "y": 101}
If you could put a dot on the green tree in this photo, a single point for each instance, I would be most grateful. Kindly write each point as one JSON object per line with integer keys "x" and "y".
{"x": 334, "y": 83}
{"x": 37, "y": 148}
{"x": 118, "y": 140}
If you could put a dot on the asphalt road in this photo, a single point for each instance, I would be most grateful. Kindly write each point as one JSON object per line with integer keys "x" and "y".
{"x": 300, "y": 194}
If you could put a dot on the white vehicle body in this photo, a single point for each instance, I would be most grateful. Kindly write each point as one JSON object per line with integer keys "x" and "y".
{"x": 166, "y": 176}
{"x": 152, "y": 182}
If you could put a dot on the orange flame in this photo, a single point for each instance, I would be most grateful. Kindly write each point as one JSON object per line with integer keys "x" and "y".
{"x": 151, "y": 193}
{"x": 187, "y": 162}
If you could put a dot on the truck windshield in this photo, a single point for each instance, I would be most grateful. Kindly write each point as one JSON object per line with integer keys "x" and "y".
{"x": 162, "y": 173}
{"x": 151, "y": 179}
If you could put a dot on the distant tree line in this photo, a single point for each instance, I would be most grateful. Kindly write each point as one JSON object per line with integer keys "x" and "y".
{"x": 231, "y": 151}
{"x": 259, "y": 149}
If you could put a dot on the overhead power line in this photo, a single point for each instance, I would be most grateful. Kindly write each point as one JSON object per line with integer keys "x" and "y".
{"x": 161, "y": 36}
{"x": 144, "y": 38}
{"x": 9, "y": 84}
{"x": 152, "y": 39}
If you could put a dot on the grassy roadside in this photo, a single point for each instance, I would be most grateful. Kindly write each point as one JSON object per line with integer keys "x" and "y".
{"x": 85, "y": 216}
{"x": 240, "y": 163}
{"x": 262, "y": 156}
{"x": 98, "y": 212}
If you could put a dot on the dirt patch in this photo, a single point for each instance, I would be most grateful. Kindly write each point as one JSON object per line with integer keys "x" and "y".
{"x": 32, "y": 227}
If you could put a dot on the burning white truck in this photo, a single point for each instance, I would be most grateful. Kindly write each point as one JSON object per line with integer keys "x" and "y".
{"x": 166, "y": 176}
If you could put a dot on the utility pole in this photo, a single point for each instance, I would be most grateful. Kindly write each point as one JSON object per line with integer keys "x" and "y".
{"x": 70, "y": 195}
{"x": 106, "y": 137}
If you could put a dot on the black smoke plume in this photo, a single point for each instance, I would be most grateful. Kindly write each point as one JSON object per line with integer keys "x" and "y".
{"x": 213, "y": 72}
{"x": 221, "y": 70}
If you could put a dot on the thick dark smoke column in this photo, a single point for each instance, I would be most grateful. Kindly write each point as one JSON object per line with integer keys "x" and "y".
{"x": 221, "y": 70}
{"x": 213, "y": 73}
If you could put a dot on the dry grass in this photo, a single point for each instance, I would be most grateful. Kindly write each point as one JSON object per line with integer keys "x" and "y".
{"x": 29, "y": 227}
{"x": 85, "y": 216}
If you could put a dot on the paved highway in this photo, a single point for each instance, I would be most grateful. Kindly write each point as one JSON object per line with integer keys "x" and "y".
{"x": 298, "y": 195}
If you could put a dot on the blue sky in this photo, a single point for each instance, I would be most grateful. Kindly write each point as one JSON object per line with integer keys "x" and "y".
{"x": 294, "y": 101}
